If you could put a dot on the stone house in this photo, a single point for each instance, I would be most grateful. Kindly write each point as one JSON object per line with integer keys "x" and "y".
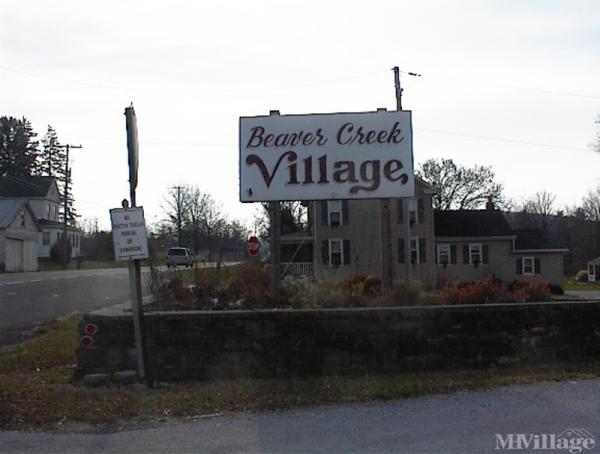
{"x": 43, "y": 196}
{"x": 19, "y": 233}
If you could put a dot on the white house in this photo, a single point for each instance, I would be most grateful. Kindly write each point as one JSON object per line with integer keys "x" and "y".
{"x": 43, "y": 197}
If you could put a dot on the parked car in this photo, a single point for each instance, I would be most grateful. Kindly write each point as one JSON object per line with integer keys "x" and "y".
{"x": 179, "y": 256}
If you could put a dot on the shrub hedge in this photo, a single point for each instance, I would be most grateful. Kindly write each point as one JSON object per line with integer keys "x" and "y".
{"x": 247, "y": 286}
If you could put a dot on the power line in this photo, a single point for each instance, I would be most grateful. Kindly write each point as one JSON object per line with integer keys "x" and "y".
{"x": 314, "y": 83}
{"x": 437, "y": 131}
{"x": 501, "y": 139}
{"x": 58, "y": 79}
{"x": 513, "y": 87}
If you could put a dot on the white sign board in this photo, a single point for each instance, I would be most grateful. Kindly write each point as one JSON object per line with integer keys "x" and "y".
{"x": 129, "y": 233}
{"x": 326, "y": 156}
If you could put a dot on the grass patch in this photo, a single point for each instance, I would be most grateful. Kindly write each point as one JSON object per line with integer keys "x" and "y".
{"x": 36, "y": 389}
{"x": 572, "y": 284}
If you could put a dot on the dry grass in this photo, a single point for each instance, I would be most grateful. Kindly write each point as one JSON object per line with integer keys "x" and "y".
{"x": 36, "y": 390}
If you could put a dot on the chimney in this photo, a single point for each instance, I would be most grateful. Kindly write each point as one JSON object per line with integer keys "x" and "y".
{"x": 489, "y": 205}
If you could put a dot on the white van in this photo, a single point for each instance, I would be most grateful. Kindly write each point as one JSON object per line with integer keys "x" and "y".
{"x": 179, "y": 256}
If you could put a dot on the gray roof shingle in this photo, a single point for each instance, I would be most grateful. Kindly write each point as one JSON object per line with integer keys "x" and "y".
{"x": 461, "y": 223}
{"x": 8, "y": 211}
{"x": 11, "y": 186}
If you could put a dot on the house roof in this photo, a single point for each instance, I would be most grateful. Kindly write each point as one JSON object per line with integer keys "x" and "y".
{"x": 9, "y": 209}
{"x": 427, "y": 188}
{"x": 529, "y": 239}
{"x": 11, "y": 186}
{"x": 463, "y": 223}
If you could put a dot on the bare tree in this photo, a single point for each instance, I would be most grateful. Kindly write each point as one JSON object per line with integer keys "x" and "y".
{"x": 202, "y": 222}
{"x": 293, "y": 218}
{"x": 196, "y": 203}
{"x": 542, "y": 204}
{"x": 542, "y": 207}
{"x": 89, "y": 226}
{"x": 461, "y": 188}
{"x": 175, "y": 209}
{"x": 591, "y": 205}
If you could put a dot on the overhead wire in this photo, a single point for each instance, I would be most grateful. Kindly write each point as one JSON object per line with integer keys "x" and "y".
{"x": 316, "y": 83}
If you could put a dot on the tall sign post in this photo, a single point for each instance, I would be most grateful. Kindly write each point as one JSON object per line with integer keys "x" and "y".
{"x": 133, "y": 253}
{"x": 365, "y": 155}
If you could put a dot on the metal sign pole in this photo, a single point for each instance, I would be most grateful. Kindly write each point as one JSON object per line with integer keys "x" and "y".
{"x": 135, "y": 277}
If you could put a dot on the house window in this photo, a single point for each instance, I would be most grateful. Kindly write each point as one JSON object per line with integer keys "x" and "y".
{"x": 334, "y": 212}
{"x": 412, "y": 211}
{"x": 528, "y": 266}
{"x": 336, "y": 252}
{"x": 475, "y": 254}
{"x": 46, "y": 238}
{"x": 443, "y": 254}
{"x": 414, "y": 250}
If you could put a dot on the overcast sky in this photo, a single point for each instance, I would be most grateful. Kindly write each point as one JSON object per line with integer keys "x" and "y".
{"x": 511, "y": 84}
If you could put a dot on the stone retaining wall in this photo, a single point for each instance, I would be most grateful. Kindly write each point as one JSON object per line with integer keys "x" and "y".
{"x": 270, "y": 343}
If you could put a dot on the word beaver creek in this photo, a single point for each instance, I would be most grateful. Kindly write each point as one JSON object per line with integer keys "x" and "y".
{"x": 346, "y": 159}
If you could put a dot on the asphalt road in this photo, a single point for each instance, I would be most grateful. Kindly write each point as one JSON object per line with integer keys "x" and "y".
{"x": 27, "y": 299}
{"x": 458, "y": 423}
{"x": 30, "y": 299}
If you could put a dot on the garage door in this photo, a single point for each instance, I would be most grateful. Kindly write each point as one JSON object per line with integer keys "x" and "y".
{"x": 14, "y": 255}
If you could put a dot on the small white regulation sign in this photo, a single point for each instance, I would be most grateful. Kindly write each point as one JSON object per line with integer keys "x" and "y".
{"x": 129, "y": 233}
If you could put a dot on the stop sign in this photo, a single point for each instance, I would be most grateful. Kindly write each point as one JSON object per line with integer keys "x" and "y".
{"x": 253, "y": 245}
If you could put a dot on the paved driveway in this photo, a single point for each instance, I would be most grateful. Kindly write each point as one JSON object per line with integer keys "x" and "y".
{"x": 457, "y": 423}
{"x": 590, "y": 295}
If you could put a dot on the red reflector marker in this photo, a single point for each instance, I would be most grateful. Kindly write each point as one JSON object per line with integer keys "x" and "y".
{"x": 86, "y": 341}
{"x": 91, "y": 329}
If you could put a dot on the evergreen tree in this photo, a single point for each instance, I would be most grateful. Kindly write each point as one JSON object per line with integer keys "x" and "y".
{"x": 52, "y": 156}
{"x": 18, "y": 147}
{"x": 71, "y": 212}
{"x": 53, "y": 163}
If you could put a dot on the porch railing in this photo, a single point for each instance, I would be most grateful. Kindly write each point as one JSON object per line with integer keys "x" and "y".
{"x": 298, "y": 269}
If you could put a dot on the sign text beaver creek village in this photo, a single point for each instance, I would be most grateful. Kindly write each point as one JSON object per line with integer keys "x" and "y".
{"x": 326, "y": 156}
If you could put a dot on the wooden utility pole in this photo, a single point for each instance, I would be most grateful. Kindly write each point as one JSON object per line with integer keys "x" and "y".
{"x": 385, "y": 224}
{"x": 65, "y": 237}
{"x": 405, "y": 201}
